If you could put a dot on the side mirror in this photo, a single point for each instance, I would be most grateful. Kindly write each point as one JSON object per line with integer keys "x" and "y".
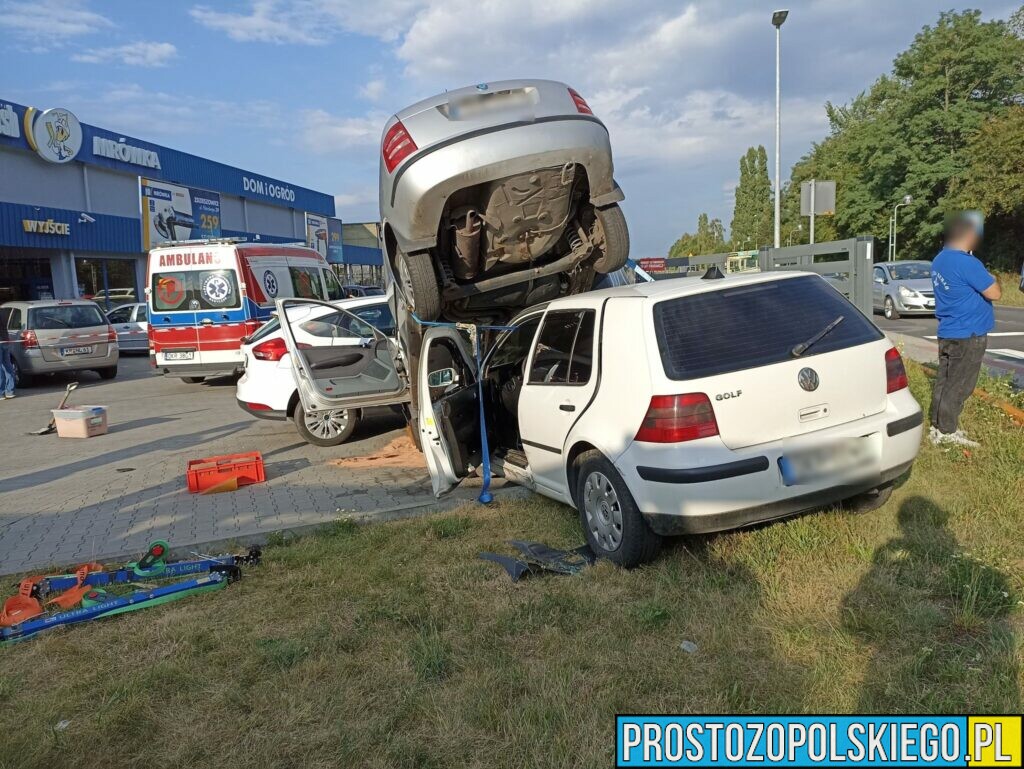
{"x": 879, "y": 280}
{"x": 442, "y": 377}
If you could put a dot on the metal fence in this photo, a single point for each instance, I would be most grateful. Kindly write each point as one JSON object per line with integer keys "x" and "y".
{"x": 846, "y": 264}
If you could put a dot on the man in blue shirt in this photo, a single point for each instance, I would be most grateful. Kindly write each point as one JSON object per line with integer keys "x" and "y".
{"x": 964, "y": 292}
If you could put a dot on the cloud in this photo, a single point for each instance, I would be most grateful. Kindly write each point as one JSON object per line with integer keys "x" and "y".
{"x": 357, "y": 198}
{"x": 141, "y": 54}
{"x": 373, "y": 89}
{"x": 51, "y": 20}
{"x": 326, "y": 134}
{"x": 308, "y": 22}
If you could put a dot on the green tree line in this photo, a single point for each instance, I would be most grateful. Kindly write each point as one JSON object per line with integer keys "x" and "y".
{"x": 945, "y": 126}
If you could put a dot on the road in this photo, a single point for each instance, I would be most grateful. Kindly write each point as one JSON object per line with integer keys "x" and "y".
{"x": 1005, "y": 345}
{"x": 66, "y": 501}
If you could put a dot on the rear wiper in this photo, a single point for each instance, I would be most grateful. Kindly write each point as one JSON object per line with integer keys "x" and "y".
{"x": 801, "y": 348}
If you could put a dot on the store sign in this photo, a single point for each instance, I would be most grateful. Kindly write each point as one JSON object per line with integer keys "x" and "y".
{"x": 654, "y": 264}
{"x": 126, "y": 153}
{"x": 55, "y": 135}
{"x": 317, "y": 233}
{"x": 271, "y": 190}
{"x": 46, "y": 227}
{"x": 335, "y": 250}
{"x": 172, "y": 212}
{"x": 9, "y": 122}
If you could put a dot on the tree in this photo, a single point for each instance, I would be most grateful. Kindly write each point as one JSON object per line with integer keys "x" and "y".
{"x": 753, "y": 216}
{"x": 912, "y": 132}
{"x": 709, "y": 239}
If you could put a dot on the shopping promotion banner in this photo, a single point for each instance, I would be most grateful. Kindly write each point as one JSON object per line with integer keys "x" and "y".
{"x": 335, "y": 253}
{"x": 317, "y": 233}
{"x": 172, "y": 212}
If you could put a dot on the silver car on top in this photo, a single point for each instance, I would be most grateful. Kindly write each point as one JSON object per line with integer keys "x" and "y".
{"x": 497, "y": 196}
{"x": 903, "y": 288}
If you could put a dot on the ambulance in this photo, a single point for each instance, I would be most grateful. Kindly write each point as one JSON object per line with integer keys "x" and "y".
{"x": 205, "y": 296}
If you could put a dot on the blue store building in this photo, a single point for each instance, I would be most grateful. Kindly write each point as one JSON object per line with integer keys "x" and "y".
{"x": 79, "y": 206}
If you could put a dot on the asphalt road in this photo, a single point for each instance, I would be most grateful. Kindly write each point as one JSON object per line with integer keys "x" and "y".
{"x": 1005, "y": 343}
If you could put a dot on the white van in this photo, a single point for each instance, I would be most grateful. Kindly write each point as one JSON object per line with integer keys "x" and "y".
{"x": 205, "y": 296}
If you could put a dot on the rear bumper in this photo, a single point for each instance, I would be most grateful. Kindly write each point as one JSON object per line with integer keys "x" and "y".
{"x": 689, "y": 489}
{"x": 669, "y": 525}
{"x": 261, "y": 413}
{"x": 32, "y": 363}
{"x": 413, "y": 197}
{"x": 197, "y": 369}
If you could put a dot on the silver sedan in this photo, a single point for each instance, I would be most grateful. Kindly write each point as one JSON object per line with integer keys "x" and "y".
{"x": 131, "y": 322}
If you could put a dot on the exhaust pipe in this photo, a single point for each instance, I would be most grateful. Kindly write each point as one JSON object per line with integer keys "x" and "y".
{"x": 466, "y": 264}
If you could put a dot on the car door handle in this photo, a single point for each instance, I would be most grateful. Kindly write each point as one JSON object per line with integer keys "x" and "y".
{"x": 567, "y": 407}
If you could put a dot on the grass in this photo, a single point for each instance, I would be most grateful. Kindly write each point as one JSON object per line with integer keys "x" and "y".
{"x": 394, "y": 646}
{"x": 1010, "y": 282}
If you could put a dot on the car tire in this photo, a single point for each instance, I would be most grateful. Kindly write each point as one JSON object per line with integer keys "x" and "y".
{"x": 615, "y": 250}
{"x": 107, "y": 373}
{"x": 193, "y": 379}
{"x": 611, "y": 521}
{"x": 868, "y": 500}
{"x": 326, "y": 432}
{"x": 21, "y": 379}
{"x": 890, "y": 310}
{"x": 419, "y": 284}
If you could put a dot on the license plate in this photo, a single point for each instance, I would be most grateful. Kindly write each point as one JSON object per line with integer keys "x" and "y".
{"x": 179, "y": 355}
{"x": 838, "y": 461}
{"x": 76, "y": 350}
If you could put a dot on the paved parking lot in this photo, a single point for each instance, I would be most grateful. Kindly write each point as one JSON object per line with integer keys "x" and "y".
{"x": 63, "y": 501}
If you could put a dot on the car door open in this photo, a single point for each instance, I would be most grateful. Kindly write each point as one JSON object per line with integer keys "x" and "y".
{"x": 449, "y": 417}
{"x": 335, "y": 367}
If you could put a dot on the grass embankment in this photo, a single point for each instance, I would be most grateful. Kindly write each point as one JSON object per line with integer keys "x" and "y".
{"x": 1010, "y": 283}
{"x": 392, "y": 645}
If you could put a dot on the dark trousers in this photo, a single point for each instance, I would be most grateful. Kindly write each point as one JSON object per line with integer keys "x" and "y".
{"x": 959, "y": 366}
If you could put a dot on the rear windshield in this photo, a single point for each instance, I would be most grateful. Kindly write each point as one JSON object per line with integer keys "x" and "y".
{"x": 68, "y": 316}
{"x": 754, "y": 325}
{"x": 195, "y": 290}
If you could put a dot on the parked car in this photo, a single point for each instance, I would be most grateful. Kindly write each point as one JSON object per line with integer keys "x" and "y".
{"x": 671, "y": 407}
{"x": 131, "y": 322}
{"x": 204, "y": 296}
{"x": 267, "y": 386}
{"x": 497, "y": 196}
{"x": 50, "y": 336}
{"x": 114, "y": 297}
{"x": 903, "y": 288}
{"x": 352, "y": 291}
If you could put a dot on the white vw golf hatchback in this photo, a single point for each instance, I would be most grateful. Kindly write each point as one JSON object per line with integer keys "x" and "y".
{"x": 682, "y": 406}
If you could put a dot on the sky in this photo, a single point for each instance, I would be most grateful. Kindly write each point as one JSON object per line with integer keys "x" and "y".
{"x": 300, "y": 89}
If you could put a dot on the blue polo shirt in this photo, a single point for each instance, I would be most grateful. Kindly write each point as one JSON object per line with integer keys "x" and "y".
{"x": 959, "y": 279}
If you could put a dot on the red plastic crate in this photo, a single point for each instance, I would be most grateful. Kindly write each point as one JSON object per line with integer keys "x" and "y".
{"x": 203, "y": 474}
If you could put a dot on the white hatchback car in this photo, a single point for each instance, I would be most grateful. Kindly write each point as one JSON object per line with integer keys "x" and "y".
{"x": 267, "y": 387}
{"x": 682, "y": 406}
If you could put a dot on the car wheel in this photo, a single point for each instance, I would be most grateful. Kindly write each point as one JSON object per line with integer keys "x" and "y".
{"x": 193, "y": 379}
{"x": 327, "y": 428}
{"x": 21, "y": 379}
{"x": 107, "y": 373}
{"x": 611, "y": 522}
{"x": 890, "y": 309}
{"x": 612, "y": 239}
{"x": 868, "y": 500}
{"x": 419, "y": 284}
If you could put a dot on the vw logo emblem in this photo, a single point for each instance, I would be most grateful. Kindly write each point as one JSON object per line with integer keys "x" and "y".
{"x": 808, "y": 379}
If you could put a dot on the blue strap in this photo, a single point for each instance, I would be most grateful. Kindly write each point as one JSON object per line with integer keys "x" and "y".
{"x": 485, "y": 497}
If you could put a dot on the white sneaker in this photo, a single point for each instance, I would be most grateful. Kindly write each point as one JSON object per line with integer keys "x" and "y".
{"x": 959, "y": 438}
{"x": 8, "y": 396}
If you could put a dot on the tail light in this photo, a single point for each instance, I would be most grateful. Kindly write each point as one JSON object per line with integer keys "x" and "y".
{"x": 678, "y": 418}
{"x": 111, "y": 334}
{"x": 580, "y": 102}
{"x": 29, "y": 340}
{"x": 258, "y": 406}
{"x": 397, "y": 146}
{"x": 895, "y": 372}
{"x": 274, "y": 349}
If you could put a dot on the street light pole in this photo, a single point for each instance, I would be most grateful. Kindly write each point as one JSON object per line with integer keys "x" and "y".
{"x": 777, "y": 20}
{"x": 907, "y": 200}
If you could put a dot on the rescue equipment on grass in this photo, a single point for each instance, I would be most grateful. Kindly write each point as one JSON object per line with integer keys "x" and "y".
{"x": 24, "y": 615}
